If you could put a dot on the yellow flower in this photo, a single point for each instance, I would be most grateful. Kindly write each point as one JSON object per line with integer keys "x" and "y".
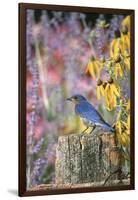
{"x": 125, "y": 139}
{"x": 100, "y": 89}
{"x": 118, "y": 70}
{"x": 120, "y": 45}
{"x": 125, "y": 37}
{"x": 109, "y": 91}
{"x": 118, "y": 126}
{"x": 110, "y": 95}
{"x": 115, "y": 47}
{"x": 126, "y": 22}
{"x": 122, "y": 133}
{"x": 120, "y": 63}
{"x": 128, "y": 105}
{"x": 93, "y": 68}
{"x": 110, "y": 98}
{"x": 118, "y": 67}
{"x": 128, "y": 122}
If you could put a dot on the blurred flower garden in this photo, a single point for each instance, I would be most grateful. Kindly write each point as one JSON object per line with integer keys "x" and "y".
{"x": 73, "y": 53}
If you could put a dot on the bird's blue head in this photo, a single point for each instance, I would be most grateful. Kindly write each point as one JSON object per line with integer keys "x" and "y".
{"x": 77, "y": 99}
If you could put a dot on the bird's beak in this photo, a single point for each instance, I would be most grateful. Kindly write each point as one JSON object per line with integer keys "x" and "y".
{"x": 69, "y": 99}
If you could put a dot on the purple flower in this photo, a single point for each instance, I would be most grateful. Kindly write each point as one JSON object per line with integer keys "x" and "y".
{"x": 38, "y": 167}
{"x": 115, "y": 24}
{"x": 38, "y": 146}
{"x": 29, "y": 37}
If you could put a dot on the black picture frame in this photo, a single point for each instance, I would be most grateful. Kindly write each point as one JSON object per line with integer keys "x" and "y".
{"x": 22, "y": 98}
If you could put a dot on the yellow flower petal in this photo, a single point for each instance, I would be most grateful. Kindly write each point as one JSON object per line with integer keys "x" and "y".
{"x": 102, "y": 90}
{"x": 97, "y": 69}
{"x": 113, "y": 44}
{"x": 126, "y": 22}
{"x": 127, "y": 63}
{"x": 93, "y": 68}
{"x": 126, "y": 41}
{"x": 89, "y": 69}
{"x": 110, "y": 99}
{"x": 116, "y": 47}
{"x": 128, "y": 105}
{"x": 98, "y": 93}
{"x": 115, "y": 89}
{"x": 125, "y": 139}
{"x": 106, "y": 95}
{"x": 118, "y": 127}
{"x": 118, "y": 70}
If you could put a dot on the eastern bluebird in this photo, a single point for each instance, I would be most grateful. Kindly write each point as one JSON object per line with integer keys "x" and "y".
{"x": 89, "y": 115}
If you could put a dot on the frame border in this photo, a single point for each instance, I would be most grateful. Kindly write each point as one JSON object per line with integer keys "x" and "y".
{"x": 22, "y": 98}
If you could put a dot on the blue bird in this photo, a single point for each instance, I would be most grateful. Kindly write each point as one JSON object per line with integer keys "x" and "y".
{"x": 89, "y": 115}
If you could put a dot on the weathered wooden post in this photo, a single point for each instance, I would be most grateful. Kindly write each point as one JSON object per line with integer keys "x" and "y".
{"x": 87, "y": 158}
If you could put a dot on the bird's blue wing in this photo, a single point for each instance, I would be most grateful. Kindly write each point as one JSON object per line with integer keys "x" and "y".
{"x": 87, "y": 111}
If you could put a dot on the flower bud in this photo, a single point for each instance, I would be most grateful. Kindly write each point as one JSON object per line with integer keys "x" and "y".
{"x": 124, "y": 30}
{"x": 110, "y": 80}
{"x": 92, "y": 58}
{"x": 104, "y": 85}
{"x": 102, "y": 59}
{"x": 117, "y": 59}
{"x": 99, "y": 82}
{"x": 117, "y": 33}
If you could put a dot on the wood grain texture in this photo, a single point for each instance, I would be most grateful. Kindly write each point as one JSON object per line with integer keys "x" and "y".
{"x": 87, "y": 158}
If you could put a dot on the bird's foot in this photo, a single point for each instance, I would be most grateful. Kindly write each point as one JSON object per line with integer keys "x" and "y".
{"x": 84, "y": 131}
{"x": 92, "y": 129}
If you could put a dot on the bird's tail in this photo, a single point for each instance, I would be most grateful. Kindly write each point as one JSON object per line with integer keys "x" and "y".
{"x": 107, "y": 127}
